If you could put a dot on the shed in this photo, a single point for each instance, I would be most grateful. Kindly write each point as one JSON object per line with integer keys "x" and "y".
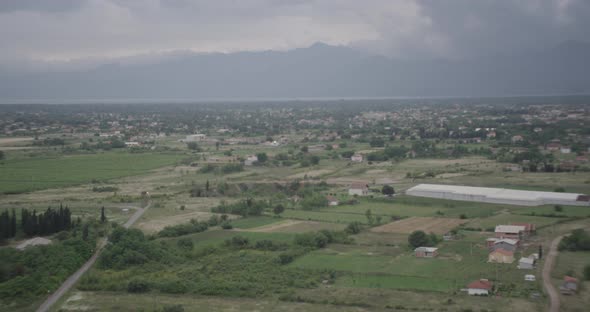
{"x": 569, "y": 286}
{"x": 530, "y": 278}
{"x": 332, "y": 201}
{"x": 426, "y": 252}
{"x": 526, "y": 263}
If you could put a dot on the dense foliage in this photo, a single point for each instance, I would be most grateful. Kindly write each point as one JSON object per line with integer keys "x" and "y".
{"x": 421, "y": 239}
{"x": 248, "y": 207}
{"x": 26, "y": 275}
{"x": 49, "y": 222}
{"x": 578, "y": 240}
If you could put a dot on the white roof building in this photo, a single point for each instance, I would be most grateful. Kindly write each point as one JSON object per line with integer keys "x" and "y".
{"x": 512, "y": 229}
{"x": 498, "y": 195}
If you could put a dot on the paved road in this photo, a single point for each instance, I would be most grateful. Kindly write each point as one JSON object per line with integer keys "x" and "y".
{"x": 547, "y": 267}
{"x": 51, "y": 300}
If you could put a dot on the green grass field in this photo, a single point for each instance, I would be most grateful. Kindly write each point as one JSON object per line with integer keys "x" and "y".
{"x": 508, "y": 218}
{"x": 24, "y": 175}
{"x": 395, "y": 282}
{"x": 325, "y": 216}
{"x": 252, "y": 222}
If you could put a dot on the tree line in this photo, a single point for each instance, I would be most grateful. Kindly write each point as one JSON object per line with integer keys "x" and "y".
{"x": 49, "y": 222}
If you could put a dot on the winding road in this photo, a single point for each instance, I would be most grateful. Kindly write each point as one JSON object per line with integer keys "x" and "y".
{"x": 547, "y": 267}
{"x": 51, "y": 300}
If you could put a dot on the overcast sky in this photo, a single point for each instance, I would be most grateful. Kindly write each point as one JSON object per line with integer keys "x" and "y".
{"x": 91, "y": 30}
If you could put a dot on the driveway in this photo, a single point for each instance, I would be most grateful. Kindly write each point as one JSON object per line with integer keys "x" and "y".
{"x": 73, "y": 279}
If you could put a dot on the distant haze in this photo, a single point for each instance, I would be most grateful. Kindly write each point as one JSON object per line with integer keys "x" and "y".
{"x": 318, "y": 71}
{"x": 200, "y": 49}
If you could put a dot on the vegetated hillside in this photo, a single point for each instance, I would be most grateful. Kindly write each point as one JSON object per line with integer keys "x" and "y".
{"x": 317, "y": 71}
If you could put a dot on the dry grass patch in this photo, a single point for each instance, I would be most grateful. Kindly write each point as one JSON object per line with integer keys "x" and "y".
{"x": 426, "y": 224}
{"x": 155, "y": 225}
{"x": 297, "y": 226}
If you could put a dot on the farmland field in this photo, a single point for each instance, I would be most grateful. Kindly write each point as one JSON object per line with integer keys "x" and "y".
{"x": 24, "y": 175}
{"x": 435, "y": 225}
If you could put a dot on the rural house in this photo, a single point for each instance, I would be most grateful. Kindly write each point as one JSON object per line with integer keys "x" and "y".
{"x": 250, "y": 160}
{"x": 426, "y": 252}
{"x": 502, "y": 243}
{"x": 569, "y": 286}
{"x": 359, "y": 189}
{"x": 529, "y": 228}
{"x": 357, "y": 158}
{"x": 332, "y": 201}
{"x": 501, "y": 256}
{"x": 509, "y": 231}
{"x": 526, "y": 263}
{"x": 482, "y": 287}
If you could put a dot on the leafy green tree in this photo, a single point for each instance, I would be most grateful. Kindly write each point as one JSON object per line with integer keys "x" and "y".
{"x": 353, "y": 228}
{"x": 418, "y": 239}
{"x": 278, "y": 209}
{"x": 193, "y": 146}
{"x": 587, "y": 272}
{"x": 2, "y": 155}
{"x": 369, "y": 216}
{"x": 387, "y": 190}
{"x": 262, "y": 157}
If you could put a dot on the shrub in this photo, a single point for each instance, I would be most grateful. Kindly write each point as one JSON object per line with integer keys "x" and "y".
{"x": 353, "y": 228}
{"x": 137, "y": 286}
{"x": 173, "y": 308}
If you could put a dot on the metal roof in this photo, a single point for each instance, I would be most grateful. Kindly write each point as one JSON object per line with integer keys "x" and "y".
{"x": 495, "y": 193}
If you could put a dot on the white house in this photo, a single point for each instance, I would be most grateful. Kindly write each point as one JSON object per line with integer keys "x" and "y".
{"x": 356, "y": 158}
{"x": 481, "y": 287}
{"x": 359, "y": 189}
{"x": 565, "y": 150}
{"x": 332, "y": 201}
{"x": 250, "y": 160}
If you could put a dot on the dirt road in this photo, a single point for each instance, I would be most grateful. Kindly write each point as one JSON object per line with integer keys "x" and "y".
{"x": 547, "y": 267}
{"x": 51, "y": 300}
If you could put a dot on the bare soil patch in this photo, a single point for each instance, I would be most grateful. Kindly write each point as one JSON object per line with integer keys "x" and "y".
{"x": 7, "y": 141}
{"x": 426, "y": 224}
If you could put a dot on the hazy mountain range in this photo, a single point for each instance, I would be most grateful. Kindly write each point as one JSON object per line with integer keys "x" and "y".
{"x": 317, "y": 71}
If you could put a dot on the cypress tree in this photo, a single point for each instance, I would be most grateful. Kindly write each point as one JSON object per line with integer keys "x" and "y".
{"x": 103, "y": 218}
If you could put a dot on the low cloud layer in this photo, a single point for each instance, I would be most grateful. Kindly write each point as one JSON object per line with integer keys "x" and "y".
{"x": 91, "y": 30}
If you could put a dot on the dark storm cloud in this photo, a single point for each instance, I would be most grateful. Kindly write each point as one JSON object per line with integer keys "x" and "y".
{"x": 40, "y": 5}
{"x": 97, "y": 29}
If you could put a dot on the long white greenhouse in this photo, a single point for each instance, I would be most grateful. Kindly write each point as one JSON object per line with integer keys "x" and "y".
{"x": 498, "y": 195}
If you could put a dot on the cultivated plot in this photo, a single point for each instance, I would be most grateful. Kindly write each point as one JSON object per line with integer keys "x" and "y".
{"x": 435, "y": 225}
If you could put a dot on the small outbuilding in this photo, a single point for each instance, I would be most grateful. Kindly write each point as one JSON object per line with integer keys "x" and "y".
{"x": 530, "y": 278}
{"x": 332, "y": 201}
{"x": 526, "y": 263}
{"x": 569, "y": 286}
{"x": 482, "y": 287}
{"x": 426, "y": 252}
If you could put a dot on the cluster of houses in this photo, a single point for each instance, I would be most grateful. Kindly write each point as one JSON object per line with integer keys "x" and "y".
{"x": 506, "y": 240}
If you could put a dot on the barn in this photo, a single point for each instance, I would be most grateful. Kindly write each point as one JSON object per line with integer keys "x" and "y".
{"x": 498, "y": 195}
